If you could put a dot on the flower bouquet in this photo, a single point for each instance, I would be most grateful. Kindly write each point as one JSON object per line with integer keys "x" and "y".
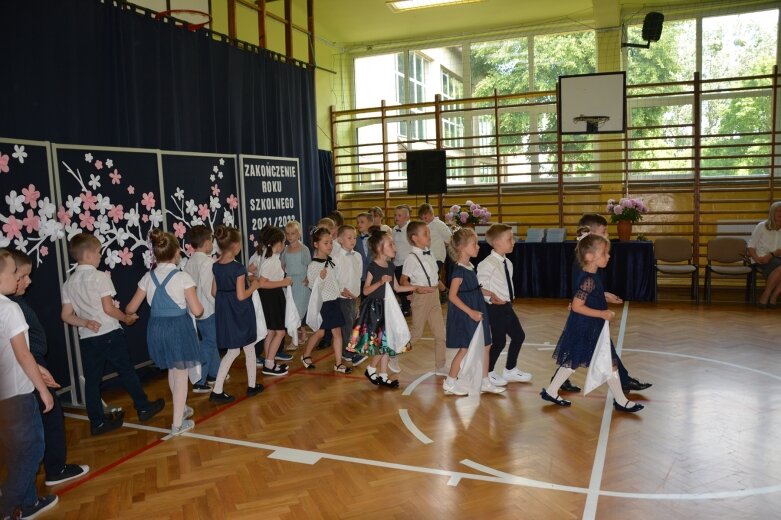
{"x": 626, "y": 209}
{"x": 468, "y": 214}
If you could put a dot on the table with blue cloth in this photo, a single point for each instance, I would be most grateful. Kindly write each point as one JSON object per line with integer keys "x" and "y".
{"x": 544, "y": 270}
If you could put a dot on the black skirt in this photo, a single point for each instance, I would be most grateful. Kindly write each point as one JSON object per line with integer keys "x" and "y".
{"x": 273, "y": 303}
{"x": 331, "y": 312}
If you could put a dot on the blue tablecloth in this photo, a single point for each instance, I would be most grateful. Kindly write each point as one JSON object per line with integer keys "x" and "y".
{"x": 545, "y": 269}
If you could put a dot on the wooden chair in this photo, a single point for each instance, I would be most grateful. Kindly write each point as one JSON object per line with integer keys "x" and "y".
{"x": 673, "y": 251}
{"x": 729, "y": 255}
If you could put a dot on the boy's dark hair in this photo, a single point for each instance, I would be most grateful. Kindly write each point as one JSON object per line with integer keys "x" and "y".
{"x": 425, "y": 209}
{"x": 413, "y": 228}
{"x": 272, "y": 235}
{"x": 20, "y": 259}
{"x": 364, "y": 214}
{"x": 337, "y": 217}
{"x": 377, "y": 211}
{"x": 198, "y": 235}
{"x": 82, "y": 243}
{"x": 591, "y": 220}
{"x": 495, "y": 231}
{"x": 343, "y": 228}
{"x": 164, "y": 245}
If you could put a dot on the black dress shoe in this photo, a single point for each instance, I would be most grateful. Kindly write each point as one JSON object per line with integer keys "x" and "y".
{"x": 555, "y": 400}
{"x": 154, "y": 409}
{"x": 254, "y": 390}
{"x": 221, "y": 398}
{"x": 374, "y": 378}
{"x": 632, "y": 409}
{"x": 635, "y": 385}
{"x": 569, "y": 387}
{"x": 106, "y": 426}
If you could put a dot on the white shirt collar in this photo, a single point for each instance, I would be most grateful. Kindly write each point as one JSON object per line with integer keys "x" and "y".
{"x": 86, "y": 267}
{"x": 498, "y": 256}
{"x": 416, "y": 249}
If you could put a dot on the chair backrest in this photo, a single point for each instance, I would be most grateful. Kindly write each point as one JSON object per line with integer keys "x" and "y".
{"x": 726, "y": 250}
{"x": 673, "y": 249}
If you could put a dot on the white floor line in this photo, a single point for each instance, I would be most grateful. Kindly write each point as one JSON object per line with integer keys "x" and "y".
{"x": 595, "y": 484}
{"x": 414, "y": 430}
{"x": 125, "y": 424}
{"x": 522, "y": 481}
{"x": 415, "y": 383}
{"x": 709, "y": 360}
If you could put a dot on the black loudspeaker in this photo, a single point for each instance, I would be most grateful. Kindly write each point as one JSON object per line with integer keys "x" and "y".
{"x": 652, "y": 26}
{"x": 426, "y": 172}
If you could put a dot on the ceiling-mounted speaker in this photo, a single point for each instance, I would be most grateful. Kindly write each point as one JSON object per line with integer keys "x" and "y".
{"x": 652, "y": 26}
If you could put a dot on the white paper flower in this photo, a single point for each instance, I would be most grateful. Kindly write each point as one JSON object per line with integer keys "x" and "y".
{"x": 72, "y": 230}
{"x": 190, "y": 207}
{"x": 4, "y": 242}
{"x": 112, "y": 258}
{"x": 132, "y": 217}
{"x": 109, "y": 163}
{"x": 196, "y": 222}
{"x": 94, "y": 181}
{"x": 103, "y": 204}
{"x": 156, "y": 217}
{"x": 19, "y": 153}
{"x": 88, "y": 157}
{"x": 51, "y": 228}
{"x": 214, "y": 203}
{"x": 100, "y": 237}
{"x": 179, "y": 193}
{"x": 227, "y": 218}
{"x": 122, "y": 235}
{"x": 222, "y": 161}
{"x": 215, "y": 169}
{"x": 73, "y": 204}
{"x": 211, "y": 177}
{"x": 102, "y": 224}
{"x": 15, "y": 202}
{"x": 220, "y": 175}
{"x": 46, "y": 208}
{"x": 21, "y": 244}
{"x": 147, "y": 256}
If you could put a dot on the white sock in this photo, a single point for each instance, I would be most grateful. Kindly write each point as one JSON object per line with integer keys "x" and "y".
{"x": 450, "y": 380}
{"x": 269, "y": 363}
{"x": 614, "y": 383}
{"x": 371, "y": 370}
{"x": 486, "y": 381}
{"x": 562, "y": 374}
{"x": 384, "y": 377}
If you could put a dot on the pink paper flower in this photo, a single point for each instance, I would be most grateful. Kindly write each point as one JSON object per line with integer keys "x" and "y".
{"x": 131, "y": 190}
{"x": 88, "y": 200}
{"x": 32, "y": 221}
{"x": 87, "y": 221}
{"x": 31, "y": 195}
{"x": 4, "y": 163}
{"x": 126, "y": 256}
{"x": 44, "y": 250}
{"x": 232, "y": 201}
{"x": 98, "y": 165}
{"x": 145, "y": 218}
{"x": 216, "y": 190}
{"x": 63, "y": 217}
{"x": 188, "y": 250}
{"x": 12, "y": 228}
{"x": 148, "y": 201}
{"x": 115, "y": 177}
{"x": 179, "y": 229}
{"x": 203, "y": 211}
{"x": 116, "y": 213}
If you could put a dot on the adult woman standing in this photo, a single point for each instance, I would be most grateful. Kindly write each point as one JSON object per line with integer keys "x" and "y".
{"x": 764, "y": 247}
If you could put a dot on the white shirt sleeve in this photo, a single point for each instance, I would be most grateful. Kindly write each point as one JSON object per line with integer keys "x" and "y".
{"x": 105, "y": 285}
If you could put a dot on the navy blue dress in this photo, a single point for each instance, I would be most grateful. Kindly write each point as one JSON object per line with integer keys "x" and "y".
{"x": 234, "y": 319}
{"x": 460, "y": 327}
{"x": 579, "y": 339}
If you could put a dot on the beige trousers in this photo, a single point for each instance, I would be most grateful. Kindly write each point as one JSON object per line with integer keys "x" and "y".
{"x": 427, "y": 309}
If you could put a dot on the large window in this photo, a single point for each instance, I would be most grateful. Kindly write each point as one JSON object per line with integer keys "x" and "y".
{"x": 452, "y": 127}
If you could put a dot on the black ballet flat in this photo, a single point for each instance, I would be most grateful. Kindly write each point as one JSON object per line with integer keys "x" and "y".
{"x": 636, "y": 408}
{"x": 374, "y": 378}
{"x": 569, "y": 387}
{"x": 555, "y": 400}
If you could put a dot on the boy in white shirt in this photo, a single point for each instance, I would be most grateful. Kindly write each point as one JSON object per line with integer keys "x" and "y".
{"x": 403, "y": 248}
{"x": 199, "y": 267}
{"x": 440, "y": 233}
{"x": 21, "y": 429}
{"x": 350, "y": 269}
{"x": 495, "y": 274}
{"x": 87, "y": 303}
{"x": 420, "y": 269}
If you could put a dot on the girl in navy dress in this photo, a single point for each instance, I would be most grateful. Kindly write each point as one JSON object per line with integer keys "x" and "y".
{"x": 170, "y": 334}
{"x": 324, "y": 267}
{"x": 235, "y": 315}
{"x": 466, "y": 311}
{"x": 584, "y": 325}
{"x": 368, "y": 336}
{"x": 272, "y": 280}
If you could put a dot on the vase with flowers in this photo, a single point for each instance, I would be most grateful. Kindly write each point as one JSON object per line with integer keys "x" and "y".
{"x": 624, "y": 213}
{"x": 468, "y": 215}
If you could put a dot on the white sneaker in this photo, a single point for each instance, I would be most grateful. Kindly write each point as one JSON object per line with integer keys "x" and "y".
{"x": 393, "y": 364}
{"x": 442, "y": 371}
{"x": 453, "y": 389}
{"x": 496, "y": 379}
{"x": 516, "y": 376}
{"x": 491, "y": 389}
{"x": 188, "y": 412}
{"x": 187, "y": 425}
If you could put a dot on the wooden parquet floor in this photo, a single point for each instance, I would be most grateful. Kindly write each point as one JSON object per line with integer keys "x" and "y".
{"x": 316, "y": 445}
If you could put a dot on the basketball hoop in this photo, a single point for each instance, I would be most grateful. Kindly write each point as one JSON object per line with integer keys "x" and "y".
{"x": 189, "y": 18}
{"x": 592, "y": 122}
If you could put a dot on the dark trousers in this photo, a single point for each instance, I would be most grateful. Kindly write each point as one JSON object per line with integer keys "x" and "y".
{"x": 95, "y": 351}
{"x": 56, "y": 449}
{"x": 504, "y": 322}
{"x": 21, "y": 450}
{"x": 349, "y": 311}
{"x": 405, "y": 303}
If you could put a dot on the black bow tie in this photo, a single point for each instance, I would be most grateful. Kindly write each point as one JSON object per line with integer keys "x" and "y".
{"x": 426, "y": 252}
{"x": 398, "y": 229}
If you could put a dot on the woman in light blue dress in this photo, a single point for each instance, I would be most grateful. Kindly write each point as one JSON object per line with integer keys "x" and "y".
{"x": 295, "y": 259}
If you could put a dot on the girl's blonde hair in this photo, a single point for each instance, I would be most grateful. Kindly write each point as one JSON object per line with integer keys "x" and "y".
{"x": 458, "y": 241}
{"x": 770, "y": 223}
{"x": 294, "y": 225}
{"x": 589, "y": 243}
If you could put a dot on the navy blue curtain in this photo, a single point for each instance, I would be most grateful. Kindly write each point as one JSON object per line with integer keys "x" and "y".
{"x": 327, "y": 184}
{"x": 86, "y": 72}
